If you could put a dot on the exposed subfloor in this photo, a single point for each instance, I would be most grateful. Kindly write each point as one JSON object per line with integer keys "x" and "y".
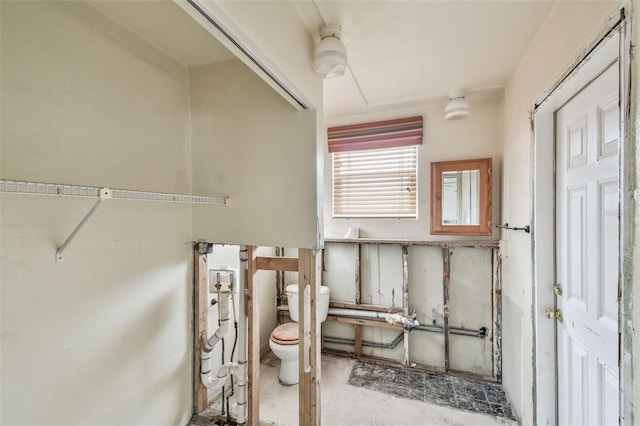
{"x": 374, "y": 399}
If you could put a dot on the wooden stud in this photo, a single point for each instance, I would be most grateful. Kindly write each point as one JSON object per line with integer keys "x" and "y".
{"x": 358, "y": 282}
{"x": 358, "y": 300}
{"x": 497, "y": 314}
{"x": 358, "y": 341}
{"x": 405, "y": 299}
{"x": 265, "y": 263}
{"x": 369, "y": 323}
{"x": 253, "y": 336}
{"x": 447, "y": 243}
{"x": 309, "y": 276}
{"x": 200, "y": 292}
{"x": 363, "y": 307}
{"x": 446, "y": 270}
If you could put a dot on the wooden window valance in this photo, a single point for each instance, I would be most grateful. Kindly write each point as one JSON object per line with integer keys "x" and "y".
{"x": 377, "y": 135}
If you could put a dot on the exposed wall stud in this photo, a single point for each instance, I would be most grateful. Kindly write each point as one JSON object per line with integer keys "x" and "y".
{"x": 405, "y": 298}
{"x": 253, "y": 336}
{"x": 358, "y": 299}
{"x": 309, "y": 278}
{"x": 446, "y": 270}
{"x": 200, "y": 293}
{"x": 497, "y": 314}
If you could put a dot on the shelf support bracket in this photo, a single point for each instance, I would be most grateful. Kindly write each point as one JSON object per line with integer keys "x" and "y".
{"x": 105, "y": 193}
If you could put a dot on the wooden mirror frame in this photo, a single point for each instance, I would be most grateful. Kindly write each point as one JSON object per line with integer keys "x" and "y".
{"x": 484, "y": 197}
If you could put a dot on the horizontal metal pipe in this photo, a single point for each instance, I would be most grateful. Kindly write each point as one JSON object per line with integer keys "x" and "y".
{"x": 434, "y": 328}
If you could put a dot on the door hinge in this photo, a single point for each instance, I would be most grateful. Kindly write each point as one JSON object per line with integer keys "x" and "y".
{"x": 554, "y": 314}
{"x": 557, "y": 289}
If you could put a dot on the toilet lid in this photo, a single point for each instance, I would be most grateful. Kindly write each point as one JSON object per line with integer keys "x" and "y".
{"x": 286, "y": 334}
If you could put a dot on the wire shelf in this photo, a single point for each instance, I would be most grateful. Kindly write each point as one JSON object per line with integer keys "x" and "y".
{"x": 57, "y": 189}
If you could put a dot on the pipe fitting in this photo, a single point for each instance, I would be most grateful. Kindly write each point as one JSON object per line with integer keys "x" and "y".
{"x": 407, "y": 322}
{"x": 216, "y": 383}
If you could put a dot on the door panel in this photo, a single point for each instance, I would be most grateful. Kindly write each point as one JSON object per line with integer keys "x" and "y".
{"x": 587, "y": 255}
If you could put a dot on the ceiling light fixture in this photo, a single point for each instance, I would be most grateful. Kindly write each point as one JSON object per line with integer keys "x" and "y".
{"x": 330, "y": 59}
{"x": 457, "y": 107}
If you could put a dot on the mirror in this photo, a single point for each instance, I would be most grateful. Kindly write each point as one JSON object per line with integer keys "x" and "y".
{"x": 461, "y": 197}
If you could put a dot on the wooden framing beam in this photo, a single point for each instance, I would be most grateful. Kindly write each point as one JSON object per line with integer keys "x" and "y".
{"x": 357, "y": 348}
{"x": 447, "y": 243}
{"x": 309, "y": 278}
{"x": 405, "y": 299}
{"x": 200, "y": 292}
{"x": 370, "y": 323}
{"x": 358, "y": 283}
{"x": 364, "y": 307}
{"x": 253, "y": 336}
{"x": 446, "y": 272}
{"x": 497, "y": 314}
{"x": 267, "y": 263}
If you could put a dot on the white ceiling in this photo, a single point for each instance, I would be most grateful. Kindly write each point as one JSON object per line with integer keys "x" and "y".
{"x": 400, "y": 52}
{"x": 408, "y": 52}
{"x": 165, "y": 25}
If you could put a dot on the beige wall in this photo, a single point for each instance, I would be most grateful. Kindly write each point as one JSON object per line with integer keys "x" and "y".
{"x": 251, "y": 145}
{"x": 569, "y": 28}
{"x": 281, "y": 38}
{"x": 103, "y": 338}
{"x": 477, "y": 136}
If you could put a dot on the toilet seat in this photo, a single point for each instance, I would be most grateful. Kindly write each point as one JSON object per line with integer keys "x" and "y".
{"x": 286, "y": 334}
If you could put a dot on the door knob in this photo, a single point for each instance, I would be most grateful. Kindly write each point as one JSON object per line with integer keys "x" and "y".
{"x": 554, "y": 314}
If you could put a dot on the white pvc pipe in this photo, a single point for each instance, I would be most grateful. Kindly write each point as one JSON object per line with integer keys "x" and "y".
{"x": 241, "y": 415}
{"x": 356, "y": 313}
{"x": 223, "y": 309}
{"x": 215, "y": 383}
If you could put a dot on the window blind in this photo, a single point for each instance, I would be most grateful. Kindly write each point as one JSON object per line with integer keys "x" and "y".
{"x": 375, "y": 168}
{"x": 378, "y": 183}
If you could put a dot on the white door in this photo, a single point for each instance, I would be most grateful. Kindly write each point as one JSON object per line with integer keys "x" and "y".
{"x": 587, "y": 138}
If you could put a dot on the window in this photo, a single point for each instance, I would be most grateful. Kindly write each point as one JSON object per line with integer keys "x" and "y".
{"x": 375, "y": 183}
{"x": 375, "y": 169}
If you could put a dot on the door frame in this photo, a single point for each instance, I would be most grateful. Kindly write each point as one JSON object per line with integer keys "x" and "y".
{"x": 612, "y": 43}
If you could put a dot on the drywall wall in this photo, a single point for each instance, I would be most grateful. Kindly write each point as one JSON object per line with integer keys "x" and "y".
{"x": 276, "y": 30}
{"x": 477, "y": 136}
{"x": 569, "y": 27}
{"x": 103, "y": 338}
{"x": 251, "y": 145}
{"x": 381, "y": 284}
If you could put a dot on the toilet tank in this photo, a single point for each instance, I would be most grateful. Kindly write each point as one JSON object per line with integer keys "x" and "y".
{"x": 323, "y": 303}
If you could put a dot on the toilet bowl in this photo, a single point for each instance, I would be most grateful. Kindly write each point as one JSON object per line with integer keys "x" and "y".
{"x": 284, "y": 339}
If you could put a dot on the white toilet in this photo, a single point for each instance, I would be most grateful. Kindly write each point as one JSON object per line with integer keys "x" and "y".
{"x": 284, "y": 339}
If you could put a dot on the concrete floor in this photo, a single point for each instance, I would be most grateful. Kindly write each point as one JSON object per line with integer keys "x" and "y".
{"x": 343, "y": 404}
